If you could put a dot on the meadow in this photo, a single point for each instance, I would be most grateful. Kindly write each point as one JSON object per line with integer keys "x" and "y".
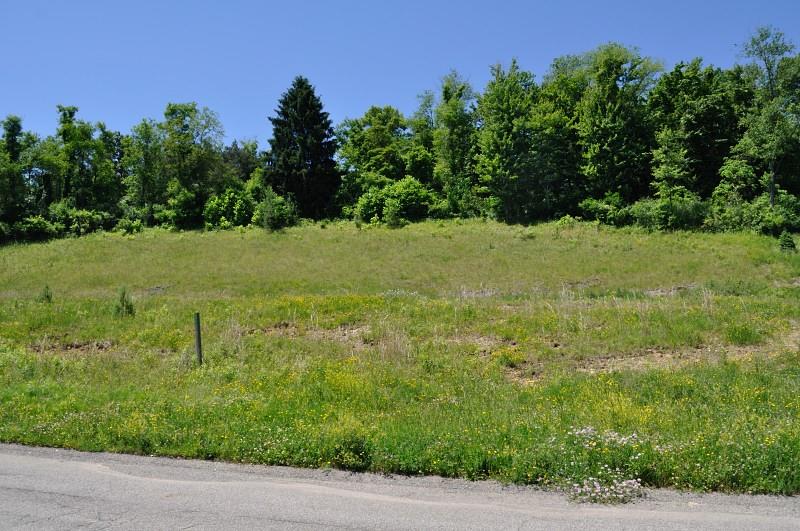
{"x": 558, "y": 355}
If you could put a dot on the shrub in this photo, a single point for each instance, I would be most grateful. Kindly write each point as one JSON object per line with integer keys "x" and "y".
{"x": 184, "y": 207}
{"x": 608, "y": 210}
{"x": 728, "y": 211}
{"x": 772, "y": 220}
{"x": 402, "y": 201}
{"x": 36, "y": 228}
{"x": 369, "y": 206}
{"x": 5, "y": 232}
{"x": 275, "y": 212}
{"x": 78, "y": 222}
{"x": 392, "y": 213}
{"x": 46, "y": 296}
{"x": 124, "y": 306}
{"x": 645, "y": 213}
{"x": 129, "y": 226}
{"x": 236, "y": 207}
{"x": 411, "y": 199}
{"x": 681, "y": 210}
{"x": 351, "y": 451}
{"x": 786, "y": 242}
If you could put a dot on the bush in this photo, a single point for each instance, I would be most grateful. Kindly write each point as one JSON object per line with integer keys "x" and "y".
{"x": 275, "y": 212}
{"x": 36, "y": 228}
{"x": 184, "y": 207}
{"x": 727, "y": 209}
{"x": 124, "y": 306}
{"x": 5, "y": 232}
{"x": 784, "y": 216}
{"x": 129, "y": 226}
{"x": 402, "y": 201}
{"x": 683, "y": 210}
{"x": 78, "y": 222}
{"x": 645, "y": 213}
{"x": 392, "y": 213}
{"x": 235, "y": 207}
{"x": 674, "y": 208}
{"x": 369, "y": 206}
{"x": 608, "y": 210}
{"x": 347, "y": 446}
{"x": 46, "y": 296}
{"x": 786, "y": 242}
{"x": 411, "y": 199}
{"x": 729, "y": 212}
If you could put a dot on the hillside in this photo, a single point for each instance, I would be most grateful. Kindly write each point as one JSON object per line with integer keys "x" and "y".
{"x": 545, "y": 355}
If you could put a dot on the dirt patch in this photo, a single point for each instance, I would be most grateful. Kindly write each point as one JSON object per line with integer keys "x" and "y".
{"x": 71, "y": 347}
{"x": 669, "y": 292}
{"x": 354, "y": 336}
{"x": 582, "y": 284}
{"x": 484, "y": 344}
{"x": 655, "y": 358}
{"x": 791, "y": 283}
{"x": 156, "y": 290}
{"x": 482, "y": 293}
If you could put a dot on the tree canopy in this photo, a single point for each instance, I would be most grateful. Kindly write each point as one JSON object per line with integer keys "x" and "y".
{"x": 604, "y": 135}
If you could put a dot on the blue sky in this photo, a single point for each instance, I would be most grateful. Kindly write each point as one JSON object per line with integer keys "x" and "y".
{"x": 122, "y": 61}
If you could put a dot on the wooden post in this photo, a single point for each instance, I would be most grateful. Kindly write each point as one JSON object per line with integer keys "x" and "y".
{"x": 198, "y": 344}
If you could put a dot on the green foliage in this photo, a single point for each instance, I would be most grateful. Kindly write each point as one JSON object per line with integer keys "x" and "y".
{"x": 609, "y": 210}
{"x": 275, "y": 212}
{"x": 615, "y": 134}
{"x": 694, "y": 111}
{"x": 403, "y": 201}
{"x": 350, "y": 448}
{"x": 730, "y": 212}
{"x": 6, "y": 232}
{"x": 183, "y": 208}
{"x": 124, "y": 306}
{"x": 234, "y": 207}
{"x": 786, "y": 242}
{"x": 302, "y": 151}
{"x": 601, "y": 135}
{"x": 46, "y": 296}
{"x": 78, "y": 222}
{"x": 369, "y": 207}
{"x": 454, "y": 145}
{"x": 506, "y": 161}
{"x": 129, "y": 226}
{"x": 36, "y": 228}
{"x": 144, "y": 160}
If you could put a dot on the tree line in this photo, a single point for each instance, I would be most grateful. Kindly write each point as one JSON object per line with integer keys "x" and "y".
{"x": 606, "y": 135}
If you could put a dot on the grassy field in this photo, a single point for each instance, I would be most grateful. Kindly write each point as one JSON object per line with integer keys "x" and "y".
{"x": 545, "y": 355}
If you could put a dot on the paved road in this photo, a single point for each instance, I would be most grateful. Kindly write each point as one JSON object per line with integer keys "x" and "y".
{"x": 44, "y": 488}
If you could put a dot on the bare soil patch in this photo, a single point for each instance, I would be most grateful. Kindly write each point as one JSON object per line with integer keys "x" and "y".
{"x": 55, "y": 346}
{"x": 355, "y": 336}
{"x": 656, "y": 358}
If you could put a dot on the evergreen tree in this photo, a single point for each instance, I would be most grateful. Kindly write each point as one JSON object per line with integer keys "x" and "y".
{"x": 303, "y": 147}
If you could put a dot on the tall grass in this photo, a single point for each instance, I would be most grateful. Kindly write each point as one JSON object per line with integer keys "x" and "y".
{"x": 546, "y": 355}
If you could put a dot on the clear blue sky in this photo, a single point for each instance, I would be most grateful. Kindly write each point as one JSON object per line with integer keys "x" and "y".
{"x": 122, "y": 61}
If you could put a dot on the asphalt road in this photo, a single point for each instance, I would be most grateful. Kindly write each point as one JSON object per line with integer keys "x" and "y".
{"x": 44, "y": 488}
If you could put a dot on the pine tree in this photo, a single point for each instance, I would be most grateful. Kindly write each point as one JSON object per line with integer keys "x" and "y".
{"x": 302, "y": 150}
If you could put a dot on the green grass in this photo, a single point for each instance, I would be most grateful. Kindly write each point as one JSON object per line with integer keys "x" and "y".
{"x": 542, "y": 355}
